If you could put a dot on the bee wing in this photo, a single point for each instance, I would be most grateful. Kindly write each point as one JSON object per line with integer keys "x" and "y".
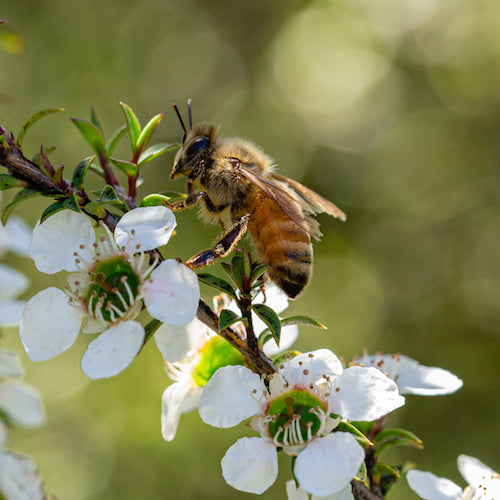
{"x": 314, "y": 201}
{"x": 279, "y": 195}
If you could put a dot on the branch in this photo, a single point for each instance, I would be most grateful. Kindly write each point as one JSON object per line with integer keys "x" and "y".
{"x": 361, "y": 492}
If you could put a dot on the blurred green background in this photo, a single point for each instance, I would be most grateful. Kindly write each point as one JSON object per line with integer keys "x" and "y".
{"x": 390, "y": 108}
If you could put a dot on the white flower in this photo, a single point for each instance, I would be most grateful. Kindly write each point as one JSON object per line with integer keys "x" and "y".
{"x": 19, "y": 479}
{"x": 483, "y": 482}
{"x": 110, "y": 281}
{"x": 193, "y": 353}
{"x": 294, "y": 493}
{"x": 305, "y": 402}
{"x": 412, "y": 377}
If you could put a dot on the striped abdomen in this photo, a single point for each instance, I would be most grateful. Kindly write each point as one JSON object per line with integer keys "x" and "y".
{"x": 280, "y": 244}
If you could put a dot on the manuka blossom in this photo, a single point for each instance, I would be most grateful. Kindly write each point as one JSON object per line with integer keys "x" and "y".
{"x": 20, "y": 405}
{"x": 193, "y": 353}
{"x": 483, "y": 482}
{"x": 412, "y": 377}
{"x": 111, "y": 280}
{"x": 304, "y": 402}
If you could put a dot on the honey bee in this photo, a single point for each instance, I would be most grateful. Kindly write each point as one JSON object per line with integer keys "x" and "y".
{"x": 241, "y": 191}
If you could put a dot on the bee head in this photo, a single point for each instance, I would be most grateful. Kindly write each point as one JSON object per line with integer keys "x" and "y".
{"x": 197, "y": 143}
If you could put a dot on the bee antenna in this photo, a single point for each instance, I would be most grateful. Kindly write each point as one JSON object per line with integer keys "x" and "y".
{"x": 180, "y": 119}
{"x": 190, "y": 115}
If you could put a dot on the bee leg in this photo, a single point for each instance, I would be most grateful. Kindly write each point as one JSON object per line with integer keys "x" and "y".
{"x": 222, "y": 247}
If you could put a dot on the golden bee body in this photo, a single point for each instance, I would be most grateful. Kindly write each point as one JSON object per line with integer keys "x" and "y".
{"x": 241, "y": 189}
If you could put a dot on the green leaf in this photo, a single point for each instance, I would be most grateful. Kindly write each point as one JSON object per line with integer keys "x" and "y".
{"x": 238, "y": 270}
{"x": 57, "y": 206}
{"x": 133, "y": 125}
{"x": 91, "y": 134}
{"x": 22, "y": 195}
{"x": 348, "y": 427}
{"x": 302, "y": 320}
{"x": 95, "y": 208}
{"x": 384, "y": 476}
{"x": 219, "y": 283}
{"x": 147, "y": 132}
{"x": 81, "y": 171}
{"x": 127, "y": 167}
{"x": 107, "y": 197}
{"x": 115, "y": 139}
{"x": 258, "y": 271}
{"x": 8, "y": 182}
{"x": 95, "y": 119}
{"x": 270, "y": 318}
{"x": 72, "y": 203}
{"x": 33, "y": 120}
{"x": 396, "y": 437}
{"x": 154, "y": 151}
{"x": 151, "y": 328}
{"x": 153, "y": 200}
{"x": 227, "y": 318}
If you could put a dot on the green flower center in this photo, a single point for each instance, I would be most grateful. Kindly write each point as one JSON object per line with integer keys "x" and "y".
{"x": 295, "y": 417}
{"x": 216, "y": 353}
{"x": 114, "y": 289}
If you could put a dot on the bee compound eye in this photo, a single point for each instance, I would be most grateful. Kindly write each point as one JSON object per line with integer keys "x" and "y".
{"x": 199, "y": 144}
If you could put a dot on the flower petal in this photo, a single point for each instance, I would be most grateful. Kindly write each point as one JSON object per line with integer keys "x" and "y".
{"x": 430, "y": 487}
{"x": 149, "y": 227}
{"x": 412, "y": 377}
{"x": 18, "y": 235}
{"x": 329, "y": 463}
{"x": 294, "y": 493}
{"x": 11, "y": 312}
{"x": 173, "y": 403}
{"x": 4, "y": 435}
{"x": 172, "y": 293}
{"x": 364, "y": 394}
{"x": 175, "y": 341}
{"x": 288, "y": 336}
{"x": 22, "y": 404}
{"x": 250, "y": 465}
{"x": 9, "y": 365}
{"x": 19, "y": 479}
{"x": 275, "y": 298}
{"x": 229, "y": 397}
{"x": 49, "y": 324}
{"x": 56, "y": 240}
{"x": 113, "y": 351}
{"x": 320, "y": 362}
{"x": 474, "y": 471}
{"x": 12, "y": 283}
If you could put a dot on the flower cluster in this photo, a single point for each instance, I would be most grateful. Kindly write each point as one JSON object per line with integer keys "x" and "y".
{"x": 111, "y": 281}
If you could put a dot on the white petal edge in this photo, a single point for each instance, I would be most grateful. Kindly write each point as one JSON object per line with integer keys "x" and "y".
{"x": 49, "y": 324}
{"x": 22, "y": 403}
{"x": 288, "y": 336}
{"x": 473, "y": 470}
{"x": 228, "y": 398}
{"x": 172, "y": 293}
{"x": 149, "y": 227}
{"x": 18, "y": 234}
{"x": 55, "y": 241}
{"x": 19, "y": 479}
{"x": 251, "y": 465}
{"x": 175, "y": 341}
{"x": 364, "y": 394}
{"x": 328, "y": 463}
{"x": 11, "y": 312}
{"x": 318, "y": 363}
{"x": 9, "y": 365}
{"x": 113, "y": 350}
{"x": 430, "y": 487}
{"x": 12, "y": 283}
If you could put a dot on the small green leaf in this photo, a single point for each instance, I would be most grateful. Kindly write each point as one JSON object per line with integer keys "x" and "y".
{"x": 22, "y": 195}
{"x": 227, "y": 318}
{"x": 238, "y": 270}
{"x": 384, "y": 476}
{"x": 33, "y": 120}
{"x": 91, "y": 134}
{"x": 8, "y": 182}
{"x": 396, "y": 437}
{"x": 127, "y": 167}
{"x": 151, "y": 328}
{"x": 95, "y": 208}
{"x": 57, "y": 206}
{"x": 72, "y": 203}
{"x": 302, "y": 320}
{"x": 147, "y": 132}
{"x": 95, "y": 119}
{"x": 348, "y": 427}
{"x": 81, "y": 171}
{"x": 154, "y": 151}
{"x": 257, "y": 272}
{"x": 154, "y": 200}
{"x": 133, "y": 125}
{"x": 270, "y": 318}
{"x": 115, "y": 139}
{"x": 107, "y": 197}
{"x": 219, "y": 283}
